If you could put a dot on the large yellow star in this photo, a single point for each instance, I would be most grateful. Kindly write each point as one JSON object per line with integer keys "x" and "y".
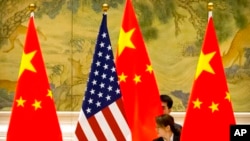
{"x": 203, "y": 64}
{"x": 197, "y": 103}
{"x": 214, "y": 107}
{"x": 137, "y": 79}
{"x": 125, "y": 40}
{"x": 149, "y": 69}
{"x": 37, "y": 104}
{"x": 228, "y": 97}
{"x": 49, "y": 94}
{"x": 26, "y": 62}
{"x": 20, "y": 102}
{"x": 122, "y": 77}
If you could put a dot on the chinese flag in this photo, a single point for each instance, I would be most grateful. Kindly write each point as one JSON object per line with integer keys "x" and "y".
{"x": 209, "y": 113}
{"x": 33, "y": 116}
{"x": 139, "y": 90}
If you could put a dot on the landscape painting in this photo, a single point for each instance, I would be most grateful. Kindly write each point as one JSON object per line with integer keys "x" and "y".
{"x": 173, "y": 31}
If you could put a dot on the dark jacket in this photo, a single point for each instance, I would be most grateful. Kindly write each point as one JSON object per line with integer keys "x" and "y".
{"x": 177, "y": 126}
{"x": 176, "y": 138}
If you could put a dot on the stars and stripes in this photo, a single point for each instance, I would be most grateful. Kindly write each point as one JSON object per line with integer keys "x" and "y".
{"x": 101, "y": 116}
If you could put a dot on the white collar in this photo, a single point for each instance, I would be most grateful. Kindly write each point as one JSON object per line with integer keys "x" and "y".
{"x": 172, "y": 137}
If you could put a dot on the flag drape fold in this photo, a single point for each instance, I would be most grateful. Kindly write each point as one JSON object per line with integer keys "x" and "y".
{"x": 209, "y": 113}
{"x": 137, "y": 80}
{"x": 102, "y": 114}
{"x": 33, "y": 116}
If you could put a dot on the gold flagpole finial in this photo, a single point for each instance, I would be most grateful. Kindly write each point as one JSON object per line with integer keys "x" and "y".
{"x": 105, "y": 7}
{"x": 210, "y": 6}
{"x": 32, "y": 7}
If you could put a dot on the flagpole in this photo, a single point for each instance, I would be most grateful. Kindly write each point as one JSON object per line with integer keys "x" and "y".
{"x": 32, "y": 8}
{"x": 105, "y": 8}
{"x": 210, "y": 7}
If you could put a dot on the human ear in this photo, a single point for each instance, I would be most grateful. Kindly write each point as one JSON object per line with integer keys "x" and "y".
{"x": 168, "y": 128}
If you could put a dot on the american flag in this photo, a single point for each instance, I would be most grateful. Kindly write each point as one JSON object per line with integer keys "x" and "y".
{"x": 102, "y": 116}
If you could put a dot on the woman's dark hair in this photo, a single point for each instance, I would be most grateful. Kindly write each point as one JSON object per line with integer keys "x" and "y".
{"x": 165, "y": 120}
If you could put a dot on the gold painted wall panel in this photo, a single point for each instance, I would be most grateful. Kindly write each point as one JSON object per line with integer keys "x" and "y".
{"x": 173, "y": 31}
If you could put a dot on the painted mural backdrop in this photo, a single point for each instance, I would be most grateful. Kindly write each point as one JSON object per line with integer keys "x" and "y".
{"x": 173, "y": 31}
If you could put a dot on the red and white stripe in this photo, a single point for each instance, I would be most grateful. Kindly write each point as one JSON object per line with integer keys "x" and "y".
{"x": 108, "y": 124}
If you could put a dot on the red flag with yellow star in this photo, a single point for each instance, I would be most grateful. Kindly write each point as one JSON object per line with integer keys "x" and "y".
{"x": 33, "y": 116}
{"x": 139, "y": 89}
{"x": 209, "y": 113}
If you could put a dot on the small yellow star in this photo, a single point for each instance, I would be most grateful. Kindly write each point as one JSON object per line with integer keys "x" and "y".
{"x": 125, "y": 40}
{"x": 137, "y": 79}
{"x": 149, "y": 69}
{"x": 20, "y": 102}
{"x": 49, "y": 94}
{"x": 197, "y": 103}
{"x": 203, "y": 64}
{"x": 37, "y": 104}
{"x": 214, "y": 107}
{"x": 228, "y": 97}
{"x": 122, "y": 77}
{"x": 26, "y": 63}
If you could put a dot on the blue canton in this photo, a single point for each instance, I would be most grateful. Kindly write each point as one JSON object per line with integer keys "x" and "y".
{"x": 102, "y": 88}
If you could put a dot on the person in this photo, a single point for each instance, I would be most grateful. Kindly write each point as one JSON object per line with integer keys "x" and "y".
{"x": 166, "y": 128}
{"x": 167, "y": 103}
